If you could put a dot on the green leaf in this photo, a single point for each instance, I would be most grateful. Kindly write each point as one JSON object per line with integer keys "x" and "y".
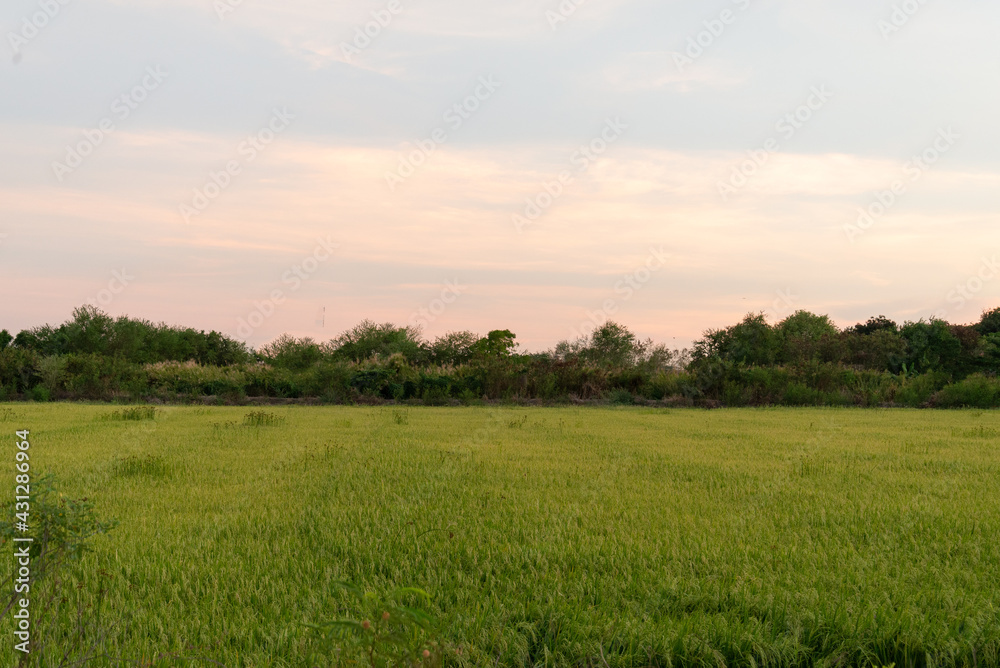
{"x": 412, "y": 590}
{"x": 348, "y": 587}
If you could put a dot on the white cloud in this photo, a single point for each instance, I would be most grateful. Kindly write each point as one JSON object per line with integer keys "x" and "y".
{"x": 652, "y": 70}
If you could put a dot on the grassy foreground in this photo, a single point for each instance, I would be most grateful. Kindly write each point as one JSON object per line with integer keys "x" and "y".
{"x": 557, "y": 536}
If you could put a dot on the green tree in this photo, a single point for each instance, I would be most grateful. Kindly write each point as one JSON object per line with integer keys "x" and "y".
{"x": 613, "y": 345}
{"x": 806, "y": 337}
{"x": 92, "y": 332}
{"x": 879, "y": 324}
{"x": 89, "y": 331}
{"x": 988, "y": 353}
{"x": 497, "y": 344}
{"x": 45, "y": 340}
{"x": 970, "y": 357}
{"x": 289, "y": 352}
{"x": 368, "y": 339}
{"x": 752, "y": 342}
{"x": 989, "y": 323}
{"x": 454, "y": 348}
{"x": 882, "y": 350}
{"x": 931, "y": 346}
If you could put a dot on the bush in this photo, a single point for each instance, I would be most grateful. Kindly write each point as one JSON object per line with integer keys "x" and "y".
{"x": 932, "y": 346}
{"x": 764, "y": 385}
{"x": 918, "y": 390}
{"x": 798, "y": 394}
{"x": 195, "y": 379}
{"x": 752, "y": 342}
{"x": 19, "y": 369}
{"x": 870, "y": 388}
{"x": 805, "y": 337}
{"x": 369, "y": 340}
{"x": 620, "y": 398}
{"x": 288, "y": 352}
{"x": 663, "y": 384}
{"x": 454, "y": 348}
{"x": 329, "y": 380}
{"x": 393, "y": 630}
{"x": 92, "y": 376}
{"x": 976, "y": 391}
{"x": 92, "y": 332}
{"x": 879, "y": 349}
{"x": 40, "y": 393}
{"x": 61, "y": 529}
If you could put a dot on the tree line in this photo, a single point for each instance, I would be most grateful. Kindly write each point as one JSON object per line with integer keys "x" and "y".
{"x": 804, "y": 359}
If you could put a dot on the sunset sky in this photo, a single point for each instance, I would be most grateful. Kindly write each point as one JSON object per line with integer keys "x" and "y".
{"x": 537, "y": 166}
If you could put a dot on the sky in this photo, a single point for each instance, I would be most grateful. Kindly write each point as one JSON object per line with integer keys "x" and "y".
{"x": 260, "y": 167}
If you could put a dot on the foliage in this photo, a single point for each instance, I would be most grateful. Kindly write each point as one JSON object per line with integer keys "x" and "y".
{"x": 387, "y": 630}
{"x": 287, "y": 352}
{"x": 879, "y": 349}
{"x": 916, "y": 391}
{"x": 805, "y": 337}
{"x": 92, "y": 332}
{"x": 60, "y": 529}
{"x": 751, "y": 342}
{"x": 976, "y": 391}
{"x": 989, "y": 323}
{"x": 931, "y": 346}
{"x": 612, "y": 345}
{"x": 801, "y": 360}
{"x": 454, "y": 348}
{"x": 70, "y": 620}
{"x": 497, "y": 344}
{"x": 369, "y": 340}
{"x": 874, "y": 325}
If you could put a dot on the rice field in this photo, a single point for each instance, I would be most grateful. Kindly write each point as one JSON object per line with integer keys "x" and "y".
{"x": 541, "y": 536}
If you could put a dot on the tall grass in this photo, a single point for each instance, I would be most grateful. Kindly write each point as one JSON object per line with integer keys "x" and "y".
{"x": 262, "y": 419}
{"x": 575, "y": 537}
{"x": 134, "y": 413}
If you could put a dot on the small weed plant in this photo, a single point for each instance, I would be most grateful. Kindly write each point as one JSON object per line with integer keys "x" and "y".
{"x": 386, "y": 630}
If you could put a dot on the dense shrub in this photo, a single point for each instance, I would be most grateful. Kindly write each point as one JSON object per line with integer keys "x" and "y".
{"x": 799, "y": 394}
{"x": 879, "y": 350}
{"x": 916, "y": 391}
{"x": 454, "y": 348}
{"x": 752, "y": 342}
{"x": 370, "y": 340}
{"x": 19, "y": 369}
{"x": 931, "y": 346}
{"x": 869, "y": 388}
{"x": 976, "y": 391}
{"x": 802, "y": 360}
{"x": 288, "y": 352}
{"x": 664, "y": 384}
{"x": 92, "y": 376}
{"x": 92, "y": 332}
{"x": 804, "y": 338}
{"x": 329, "y": 380}
{"x": 192, "y": 378}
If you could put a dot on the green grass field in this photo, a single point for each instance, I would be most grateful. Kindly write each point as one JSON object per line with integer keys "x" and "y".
{"x": 548, "y": 537}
